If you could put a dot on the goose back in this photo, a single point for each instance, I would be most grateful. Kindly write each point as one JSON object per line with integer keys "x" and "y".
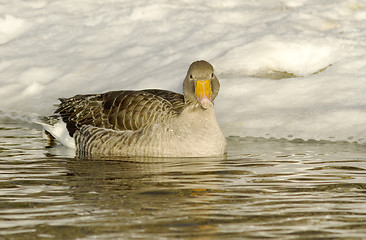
{"x": 120, "y": 110}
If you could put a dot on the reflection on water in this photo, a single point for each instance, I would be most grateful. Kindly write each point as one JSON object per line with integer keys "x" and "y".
{"x": 263, "y": 189}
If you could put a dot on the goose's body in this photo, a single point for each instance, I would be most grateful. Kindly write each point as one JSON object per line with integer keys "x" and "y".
{"x": 144, "y": 123}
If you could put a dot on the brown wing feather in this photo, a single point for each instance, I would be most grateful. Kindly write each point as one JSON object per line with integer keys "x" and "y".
{"x": 120, "y": 110}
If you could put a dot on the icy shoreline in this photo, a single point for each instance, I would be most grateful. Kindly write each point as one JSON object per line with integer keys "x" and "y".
{"x": 51, "y": 49}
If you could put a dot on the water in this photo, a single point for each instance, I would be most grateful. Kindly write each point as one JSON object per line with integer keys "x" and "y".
{"x": 264, "y": 189}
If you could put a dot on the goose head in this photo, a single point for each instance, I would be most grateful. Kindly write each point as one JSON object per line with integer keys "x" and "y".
{"x": 200, "y": 85}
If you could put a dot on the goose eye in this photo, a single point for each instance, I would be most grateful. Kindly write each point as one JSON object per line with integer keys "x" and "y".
{"x": 212, "y": 75}
{"x": 190, "y": 76}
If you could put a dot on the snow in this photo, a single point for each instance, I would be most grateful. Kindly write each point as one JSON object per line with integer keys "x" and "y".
{"x": 288, "y": 69}
{"x": 10, "y": 27}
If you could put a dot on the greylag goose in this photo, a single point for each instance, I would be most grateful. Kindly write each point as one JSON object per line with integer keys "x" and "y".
{"x": 152, "y": 123}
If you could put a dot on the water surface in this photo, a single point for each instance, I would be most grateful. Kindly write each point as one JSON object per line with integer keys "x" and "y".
{"x": 264, "y": 189}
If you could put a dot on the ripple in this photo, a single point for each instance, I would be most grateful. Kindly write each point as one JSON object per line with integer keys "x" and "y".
{"x": 265, "y": 189}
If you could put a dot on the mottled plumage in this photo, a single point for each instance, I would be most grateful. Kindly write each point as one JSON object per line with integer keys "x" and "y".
{"x": 146, "y": 122}
{"x": 120, "y": 110}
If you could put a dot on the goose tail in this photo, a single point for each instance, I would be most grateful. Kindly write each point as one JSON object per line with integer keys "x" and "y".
{"x": 55, "y": 129}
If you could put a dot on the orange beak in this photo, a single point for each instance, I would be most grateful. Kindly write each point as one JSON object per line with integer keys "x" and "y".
{"x": 204, "y": 92}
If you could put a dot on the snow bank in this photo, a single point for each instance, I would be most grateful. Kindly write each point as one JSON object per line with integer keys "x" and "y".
{"x": 288, "y": 69}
